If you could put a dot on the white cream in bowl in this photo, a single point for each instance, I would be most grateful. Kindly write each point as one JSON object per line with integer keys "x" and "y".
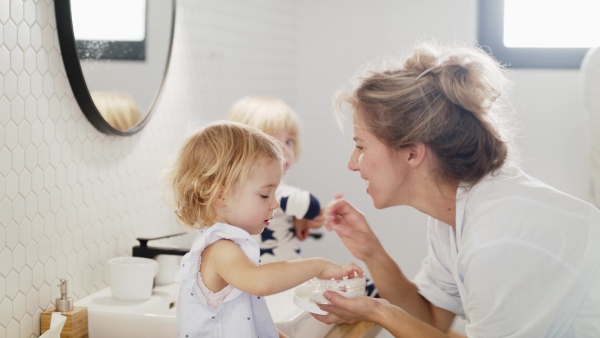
{"x": 347, "y": 287}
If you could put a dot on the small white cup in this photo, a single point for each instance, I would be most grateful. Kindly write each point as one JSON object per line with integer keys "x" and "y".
{"x": 131, "y": 278}
{"x": 168, "y": 269}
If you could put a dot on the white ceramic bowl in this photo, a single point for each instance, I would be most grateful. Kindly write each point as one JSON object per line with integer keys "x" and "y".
{"x": 349, "y": 288}
{"x": 131, "y": 278}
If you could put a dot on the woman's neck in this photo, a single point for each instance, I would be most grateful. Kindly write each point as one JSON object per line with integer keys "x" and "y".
{"x": 439, "y": 202}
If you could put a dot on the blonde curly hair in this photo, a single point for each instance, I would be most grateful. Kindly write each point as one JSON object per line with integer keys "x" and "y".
{"x": 268, "y": 114}
{"x": 211, "y": 162}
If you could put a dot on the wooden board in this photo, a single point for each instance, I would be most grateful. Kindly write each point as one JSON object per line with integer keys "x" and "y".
{"x": 358, "y": 330}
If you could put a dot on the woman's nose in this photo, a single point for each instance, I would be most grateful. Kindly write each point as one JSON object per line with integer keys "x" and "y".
{"x": 352, "y": 163}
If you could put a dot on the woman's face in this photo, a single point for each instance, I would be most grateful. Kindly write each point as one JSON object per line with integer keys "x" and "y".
{"x": 380, "y": 166}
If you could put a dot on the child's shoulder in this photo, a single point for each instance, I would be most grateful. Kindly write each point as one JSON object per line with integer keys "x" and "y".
{"x": 222, "y": 230}
{"x": 223, "y": 244}
{"x": 218, "y": 232}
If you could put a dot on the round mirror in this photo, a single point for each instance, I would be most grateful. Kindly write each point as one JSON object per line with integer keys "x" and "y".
{"x": 116, "y": 55}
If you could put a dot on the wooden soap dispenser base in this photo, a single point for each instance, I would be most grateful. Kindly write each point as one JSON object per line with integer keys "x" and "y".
{"x": 76, "y": 325}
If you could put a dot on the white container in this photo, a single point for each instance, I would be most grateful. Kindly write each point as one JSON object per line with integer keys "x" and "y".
{"x": 349, "y": 288}
{"x": 131, "y": 278}
{"x": 168, "y": 269}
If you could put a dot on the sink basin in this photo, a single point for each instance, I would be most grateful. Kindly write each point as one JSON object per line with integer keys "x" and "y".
{"x": 155, "y": 317}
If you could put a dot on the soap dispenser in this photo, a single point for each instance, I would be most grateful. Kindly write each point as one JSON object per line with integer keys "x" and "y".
{"x": 64, "y": 303}
{"x": 76, "y": 325}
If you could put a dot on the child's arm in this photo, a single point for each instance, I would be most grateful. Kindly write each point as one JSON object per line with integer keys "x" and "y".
{"x": 301, "y": 228}
{"x": 298, "y": 203}
{"x": 231, "y": 264}
{"x": 316, "y": 222}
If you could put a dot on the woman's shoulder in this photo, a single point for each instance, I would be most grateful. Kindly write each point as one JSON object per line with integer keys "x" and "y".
{"x": 519, "y": 190}
{"x": 518, "y": 208}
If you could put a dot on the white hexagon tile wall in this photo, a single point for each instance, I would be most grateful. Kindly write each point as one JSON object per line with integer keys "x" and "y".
{"x": 71, "y": 197}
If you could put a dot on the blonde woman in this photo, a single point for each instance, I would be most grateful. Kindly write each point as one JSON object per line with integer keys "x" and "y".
{"x": 514, "y": 256}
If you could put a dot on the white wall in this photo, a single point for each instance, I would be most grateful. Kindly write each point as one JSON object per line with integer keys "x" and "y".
{"x": 70, "y": 197}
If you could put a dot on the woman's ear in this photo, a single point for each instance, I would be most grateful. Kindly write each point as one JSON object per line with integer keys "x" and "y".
{"x": 415, "y": 154}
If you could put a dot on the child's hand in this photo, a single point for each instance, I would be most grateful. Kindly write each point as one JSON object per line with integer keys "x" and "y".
{"x": 301, "y": 228}
{"x": 332, "y": 270}
{"x": 316, "y": 222}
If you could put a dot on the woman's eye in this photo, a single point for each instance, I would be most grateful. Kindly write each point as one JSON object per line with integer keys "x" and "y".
{"x": 360, "y": 148}
{"x": 289, "y": 142}
{"x": 264, "y": 196}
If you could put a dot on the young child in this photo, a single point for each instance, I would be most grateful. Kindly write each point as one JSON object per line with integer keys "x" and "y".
{"x": 299, "y": 210}
{"x": 224, "y": 184}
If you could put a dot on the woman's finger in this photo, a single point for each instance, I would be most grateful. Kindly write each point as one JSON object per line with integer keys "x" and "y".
{"x": 332, "y": 319}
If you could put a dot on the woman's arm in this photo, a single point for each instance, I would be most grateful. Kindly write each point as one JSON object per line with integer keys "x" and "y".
{"x": 234, "y": 267}
{"x": 356, "y": 234}
{"x": 395, "y": 320}
{"x": 393, "y": 286}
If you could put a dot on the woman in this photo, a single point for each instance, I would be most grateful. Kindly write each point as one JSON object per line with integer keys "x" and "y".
{"x": 513, "y": 255}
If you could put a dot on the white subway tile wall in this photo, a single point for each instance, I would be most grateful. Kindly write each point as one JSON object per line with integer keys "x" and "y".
{"x": 71, "y": 197}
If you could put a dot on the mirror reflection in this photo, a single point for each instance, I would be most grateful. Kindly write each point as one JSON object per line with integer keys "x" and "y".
{"x": 125, "y": 36}
{"x": 123, "y": 50}
{"x": 117, "y": 108}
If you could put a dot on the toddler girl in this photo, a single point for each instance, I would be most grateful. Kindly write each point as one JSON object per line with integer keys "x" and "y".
{"x": 224, "y": 183}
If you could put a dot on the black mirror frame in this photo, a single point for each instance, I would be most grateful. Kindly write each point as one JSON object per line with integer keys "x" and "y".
{"x": 66, "y": 39}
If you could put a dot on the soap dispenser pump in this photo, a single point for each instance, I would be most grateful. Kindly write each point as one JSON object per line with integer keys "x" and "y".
{"x": 64, "y": 303}
{"x": 76, "y": 325}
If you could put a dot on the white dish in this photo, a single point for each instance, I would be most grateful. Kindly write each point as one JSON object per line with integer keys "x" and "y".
{"x": 302, "y": 301}
{"x": 347, "y": 287}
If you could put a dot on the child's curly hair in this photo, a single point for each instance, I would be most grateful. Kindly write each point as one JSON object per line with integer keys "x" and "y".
{"x": 268, "y": 114}
{"x": 213, "y": 160}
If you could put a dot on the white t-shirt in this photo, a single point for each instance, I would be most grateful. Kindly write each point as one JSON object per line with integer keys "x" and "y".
{"x": 523, "y": 261}
{"x": 240, "y": 314}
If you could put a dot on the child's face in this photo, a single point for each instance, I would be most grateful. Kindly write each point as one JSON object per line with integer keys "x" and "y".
{"x": 289, "y": 142}
{"x": 251, "y": 205}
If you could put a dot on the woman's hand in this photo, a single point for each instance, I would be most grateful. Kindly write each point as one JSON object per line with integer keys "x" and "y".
{"x": 344, "y": 310}
{"x": 352, "y": 228}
